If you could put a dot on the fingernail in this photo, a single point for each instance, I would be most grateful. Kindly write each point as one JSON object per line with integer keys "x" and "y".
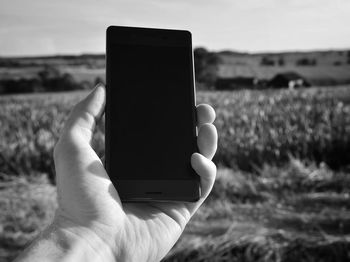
{"x": 99, "y": 86}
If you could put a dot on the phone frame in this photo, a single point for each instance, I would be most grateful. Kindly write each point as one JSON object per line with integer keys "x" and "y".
{"x": 184, "y": 190}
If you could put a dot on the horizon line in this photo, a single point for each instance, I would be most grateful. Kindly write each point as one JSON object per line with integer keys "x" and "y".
{"x": 262, "y": 52}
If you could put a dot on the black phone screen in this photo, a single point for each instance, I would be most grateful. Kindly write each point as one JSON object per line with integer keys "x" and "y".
{"x": 152, "y": 119}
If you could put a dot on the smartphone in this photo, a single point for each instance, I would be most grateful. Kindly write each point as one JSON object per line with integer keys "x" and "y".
{"x": 150, "y": 114}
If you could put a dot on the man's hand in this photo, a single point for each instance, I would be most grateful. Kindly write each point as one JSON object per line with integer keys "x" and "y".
{"x": 90, "y": 214}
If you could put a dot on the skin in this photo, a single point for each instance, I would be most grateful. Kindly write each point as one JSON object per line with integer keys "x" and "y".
{"x": 91, "y": 223}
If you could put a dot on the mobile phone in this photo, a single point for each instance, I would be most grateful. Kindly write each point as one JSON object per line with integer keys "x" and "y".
{"x": 150, "y": 114}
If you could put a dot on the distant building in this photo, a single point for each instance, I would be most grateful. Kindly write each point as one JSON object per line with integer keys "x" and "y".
{"x": 236, "y": 83}
{"x": 288, "y": 79}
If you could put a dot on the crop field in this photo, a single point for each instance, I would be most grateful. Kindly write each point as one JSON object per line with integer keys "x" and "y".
{"x": 282, "y": 191}
{"x": 330, "y": 67}
{"x": 318, "y": 75}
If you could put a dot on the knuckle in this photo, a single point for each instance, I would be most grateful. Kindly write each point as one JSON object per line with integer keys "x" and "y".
{"x": 63, "y": 146}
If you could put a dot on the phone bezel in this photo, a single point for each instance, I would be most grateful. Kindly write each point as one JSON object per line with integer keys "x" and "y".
{"x": 150, "y": 190}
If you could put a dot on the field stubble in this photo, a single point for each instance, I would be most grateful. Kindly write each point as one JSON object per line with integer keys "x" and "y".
{"x": 246, "y": 218}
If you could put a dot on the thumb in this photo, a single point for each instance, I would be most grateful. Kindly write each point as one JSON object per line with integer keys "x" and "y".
{"x": 73, "y": 152}
{"x": 79, "y": 127}
{"x": 82, "y": 120}
{"x": 81, "y": 178}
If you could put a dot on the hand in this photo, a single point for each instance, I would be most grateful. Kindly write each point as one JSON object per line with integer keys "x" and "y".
{"x": 90, "y": 210}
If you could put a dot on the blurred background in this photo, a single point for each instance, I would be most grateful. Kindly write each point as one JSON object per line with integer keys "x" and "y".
{"x": 277, "y": 74}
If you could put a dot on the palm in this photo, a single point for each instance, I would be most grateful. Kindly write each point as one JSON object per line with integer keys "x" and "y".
{"x": 159, "y": 225}
{"x": 87, "y": 197}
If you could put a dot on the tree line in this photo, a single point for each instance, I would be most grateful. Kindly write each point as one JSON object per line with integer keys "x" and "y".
{"x": 49, "y": 79}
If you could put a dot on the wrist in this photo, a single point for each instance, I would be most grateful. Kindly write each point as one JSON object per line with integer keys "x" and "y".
{"x": 63, "y": 241}
{"x": 79, "y": 243}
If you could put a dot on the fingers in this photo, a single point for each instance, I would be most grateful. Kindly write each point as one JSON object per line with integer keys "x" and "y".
{"x": 205, "y": 114}
{"x": 207, "y": 134}
{"x": 82, "y": 120}
{"x": 207, "y": 144}
{"x": 207, "y": 140}
{"x": 206, "y": 169}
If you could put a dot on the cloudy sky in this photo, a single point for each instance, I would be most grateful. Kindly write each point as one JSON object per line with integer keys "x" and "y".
{"x": 41, "y": 27}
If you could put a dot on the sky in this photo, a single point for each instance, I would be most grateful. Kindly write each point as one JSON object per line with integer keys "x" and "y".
{"x": 47, "y": 27}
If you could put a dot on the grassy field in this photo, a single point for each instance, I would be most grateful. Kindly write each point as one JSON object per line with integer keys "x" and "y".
{"x": 331, "y": 67}
{"x": 283, "y": 186}
{"x": 294, "y": 213}
{"x": 316, "y": 75}
{"x": 255, "y": 128}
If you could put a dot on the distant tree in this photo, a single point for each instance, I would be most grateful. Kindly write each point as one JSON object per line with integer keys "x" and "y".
{"x": 337, "y": 63}
{"x": 3, "y": 88}
{"x": 8, "y": 62}
{"x": 48, "y": 79}
{"x": 206, "y": 67}
{"x": 48, "y": 73}
{"x": 267, "y": 61}
{"x": 304, "y": 61}
{"x": 21, "y": 85}
{"x": 86, "y": 85}
{"x": 67, "y": 82}
{"x": 53, "y": 80}
{"x": 281, "y": 61}
{"x": 99, "y": 80}
{"x": 348, "y": 57}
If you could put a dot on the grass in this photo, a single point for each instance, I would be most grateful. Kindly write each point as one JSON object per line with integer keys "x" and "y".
{"x": 264, "y": 218}
{"x": 255, "y": 127}
{"x": 30, "y": 126}
{"x": 265, "y": 206}
{"x": 246, "y": 218}
{"x": 258, "y": 127}
{"x": 27, "y": 205}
